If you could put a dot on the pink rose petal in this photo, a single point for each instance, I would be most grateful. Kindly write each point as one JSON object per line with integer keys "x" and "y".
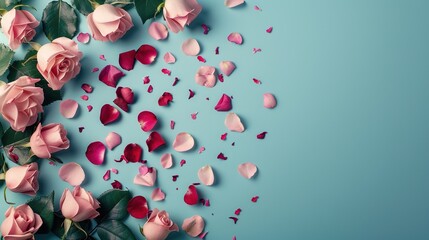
{"x": 224, "y": 103}
{"x": 147, "y": 180}
{"x": 87, "y": 88}
{"x": 89, "y": 107}
{"x": 68, "y": 108}
{"x": 108, "y": 114}
{"x": 202, "y": 235}
{"x": 166, "y": 71}
{"x": 146, "y": 54}
{"x": 193, "y": 226}
{"x": 233, "y": 3}
{"x": 157, "y": 195}
{"x": 194, "y": 115}
{"x": 236, "y": 38}
{"x": 227, "y": 67}
{"x": 72, "y": 173}
{"x": 150, "y": 89}
{"x": 269, "y": 30}
{"x": 95, "y": 153}
{"x": 83, "y": 38}
{"x": 247, "y": 169}
{"x": 257, "y": 8}
{"x": 127, "y": 60}
{"x": 112, "y": 140}
{"x": 191, "y": 196}
{"x": 133, "y": 153}
{"x": 169, "y": 58}
{"x": 233, "y": 122}
{"x": 154, "y": 141}
{"x": 205, "y": 76}
{"x": 202, "y": 149}
{"x": 147, "y": 120}
{"x": 102, "y": 57}
{"x": 158, "y": 31}
{"x": 137, "y": 207}
{"x": 261, "y": 135}
{"x": 96, "y": 69}
{"x": 191, "y": 47}
{"x": 167, "y": 160}
{"x": 269, "y": 100}
{"x": 143, "y": 170}
{"x": 220, "y": 77}
{"x": 165, "y": 99}
{"x": 114, "y": 170}
{"x": 106, "y": 175}
{"x": 206, "y": 175}
{"x": 223, "y": 136}
{"x": 110, "y": 75}
{"x": 183, "y": 142}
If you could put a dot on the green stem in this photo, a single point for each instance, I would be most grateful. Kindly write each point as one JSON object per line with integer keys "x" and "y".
{"x": 25, "y": 5}
{"x": 119, "y": 2}
{"x": 67, "y": 224}
{"x": 77, "y": 225}
{"x": 159, "y": 8}
{"x": 5, "y": 197}
{"x": 34, "y": 57}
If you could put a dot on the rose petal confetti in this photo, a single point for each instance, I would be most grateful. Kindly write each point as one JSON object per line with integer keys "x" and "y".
{"x": 227, "y": 67}
{"x": 137, "y": 207}
{"x": 147, "y": 180}
{"x": 206, "y": 29}
{"x": 205, "y": 76}
{"x": 202, "y": 235}
{"x": 256, "y": 50}
{"x": 116, "y": 185}
{"x": 112, "y": 140}
{"x": 68, "y": 108}
{"x": 81, "y": 129}
{"x": 133, "y": 153}
{"x": 257, "y": 8}
{"x": 217, "y": 51}
{"x": 233, "y": 3}
{"x": 224, "y": 104}
{"x": 233, "y": 122}
{"x": 183, "y": 142}
{"x": 96, "y": 69}
{"x": 114, "y": 170}
{"x": 172, "y": 123}
{"x": 223, "y": 136}
{"x": 166, "y": 160}
{"x": 191, "y": 94}
{"x": 236, "y": 38}
{"x": 191, "y": 47}
{"x": 234, "y": 219}
{"x": 166, "y": 71}
{"x": 201, "y": 59}
{"x": 157, "y": 195}
{"x": 89, "y": 107}
{"x": 169, "y": 58}
{"x": 194, "y": 115}
{"x": 102, "y": 57}
{"x": 106, "y": 175}
{"x": 255, "y": 199}
{"x": 150, "y": 89}
{"x": 221, "y": 156}
{"x": 146, "y": 80}
{"x": 220, "y": 76}
{"x": 238, "y": 211}
{"x": 108, "y": 114}
{"x": 72, "y": 173}
{"x": 193, "y": 226}
{"x": 146, "y": 54}
{"x": 83, "y": 37}
{"x": 247, "y": 169}
{"x": 269, "y": 30}
{"x": 202, "y": 149}
{"x": 261, "y": 135}
{"x": 182, "y": 162}
{"x": 269, "y": 100}
{"x": 154, "y": 141}
{"x": 147, "y": 120}
{"x": 191, "y": 196}
{"x": 165, "y": 99}
{"x": 174, "y": 177}
{"x": 158, "y": 31}
{"x": 206, "y": 175}
{"x": 87, "y": 88}
{"x": 256, "y": 81}
{"x": 176, "y": 80}
{"x": 84, "y": 97}
{"x": 110, "y": 75}
{"x": 95, "y": 153}
{"x": 127, "y": 60}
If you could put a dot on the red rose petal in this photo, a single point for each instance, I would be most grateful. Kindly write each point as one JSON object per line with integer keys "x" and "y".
{"x": 235, "y": 38}
{"x": 224, "y": 103}
{"x": 201, "y": 59}
{"x": 154, "y": 141}
{"x": 133, "y": 153}
{"x": 165, "y": 99}
{"x": 257, "y": 8}
{"x": 255, "y": 199}
{"x": 83, "y": 38}
{"x": 106, "y": 176}
{"x": 172, "y": 123}
{"x": 146, "y": 80}
{"x": 176, "y": 80}
{"x": 127, "y": 60}
{"x": 256, "y": 81}
{"x": 166, "y": 71}
{"x": 87, "y": 88}
{"x": 121, "y": 104}
{"x": 206, "y": 29}
{"x": 175, "y": 177}
{"x": 116, "y": 184}
{"x": 191, "y": 94}
{"x": 261, "y": 135}
{"x": 95, "y": 153}
{"x": 223, "y": 136}
{"x": 150, "y": 89}
{"x": 194, "y": 115}
{"x": 221, "y": 156}
{"x": 191, "y": 196}
{"x": 269, "y": 30}
{"x": 146, "y": 54}
{"x": 110, "y": 75}
{"x": 95, "y": 69}
{"x": 89, "y": 107}
{"x": 238, "y": 211}
{"x": 125, "y": 93}
{"x": 220, "y": 76}
{"x": 182, "y": 162}
{"x": 108, "y": 114}
{"x": 147, "y": 120}
{"x": 137, "y": 207}
{"x": 217, "y": 51}
{"x": 234, "y": 219}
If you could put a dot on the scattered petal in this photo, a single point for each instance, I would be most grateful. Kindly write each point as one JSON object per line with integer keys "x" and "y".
{"x": 183, "y": 142}
{"x": 223, "y": 136}
{"x": 217, "y": 51}
{"x": 202, "y": 149}
{"x": 102, "y": 57}
{"x": 72, "y": 173}
{"x": 137, "y": 207}
{"x": 68, "y": 108}
{"x": 127, "y": 60}
{"x": 167, "y": 160}
{"x": 233, "y": 3}
{"x": 175, "y": 177}
{"x": 256, "y": 50}
{"x": 191, "y": 196}
{"x": 87, "y": 88}
{"x": 205, "y": 76}
{"x": 227, "y": 67}
{"x": 221, "y": 156}
{"x": 233, "y": 122}
{"x": 269, "y": 30}
{"x": 182, "y": 162}
{"x": 158, "y": 31}
{"x": 166, "y": 71}
{"x": 176, "y": 80}
{"x": 95, "y": 153}
{"x": 84, "y": 97}
{"x": 154, "y": 141}
{"x": 257, "y": 81}
{"x": 257, "y": 8}
{"x": 157, "y": 195}
{"x": 247, "y": 170}
{"x": 125, "y": 93}
{"x": 206, "y": 29}
{"x": 112, "y": 140}
{"x": 224, "y": 104}
{"x": 146, "y": 80}
{"x": 269, "y": 100}
{"x": 169, "y": 58}
{"x": 236, "y": 38}
{"x": 83, "y": 38}
{"x": 220, "y": 76}
{"x": 89, "y": 107}
{"x": 121, "y": 104}
{"x": 238, "y": 211}
{"x": 81, "y": 129}
{"x": 165, "y": 99}
{"x": 172, "y": 123}
{"x": 108, "y": 114}
{"x": 234, "y": 219}
{"x": 201, "y": 59}
{"x": 147, "y": 120}
{"x": 116, "y": 184}
{"x": 110, "y": 75}
{"x": 106, "y": 175}
{"x": 261, "y": 135}
{"x": 206, "y": 175}
{"x": 191, "y": 94}
{"x": 255, "y": 199}
{"x": 202, "y": 235}
{"x": 114, "y": 170}
{"x": 150, "y": 89}
{"x": 133, "y": 153}
{"x": 146, "y": 54}
{"x": 191, "y": 47}
{"x": 96, "y": 69}
{"x": 147, "y": 180}
{"x": 194, "y": 115}
{"x": 193, "y": 226}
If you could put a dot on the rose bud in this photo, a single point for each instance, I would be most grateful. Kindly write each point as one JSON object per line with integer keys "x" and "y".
{"x": 177, "y": 13}
{"x": 23, "y": 179}
{"x": 21, "y": 223}
{"x": 49, "y": 139}
{"x": 18, "y": 26}
{"x": 158, "y": 226}
{"x": 78, "y": 205}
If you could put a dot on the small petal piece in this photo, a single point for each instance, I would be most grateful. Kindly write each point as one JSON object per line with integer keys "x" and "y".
{"x": 157, "y": 195}
{"x": 68, "y": 108}
{"x": 224, "y": 104}
{"x": 261, "y": 135}
{"x": 183, "y": 142}
{"x": 108, "y": 114}
{"x": 167, "y": 160}
{"x": 154, "y": 141}
{"x": 206, "y": 176}
{"x": 269, "y": 100}
{"x": 247, "y": 169}
{"x": 116, "y": 184}
{"x": 191, "y": 47}
{"x": 169, "y": 58}
{"x": 72, "y": 173}
{"x": 165, "y": 99}
{"x": 146, "y": 54}
{"x": 137, "y": 207}
{"x": 233, "y": 3}
{"x": 158, "y": 31}
{"x": 206, "y": 76}
{"x": 227, "y": 67}
{"x": 87, "y": 88}
{"x": 110, "y": 75}
{"x": 236, "y": 38}
{"x": 147, "y": 120}
{"x": 233, "y": 122}
{"x": 193, "y": 226}
{"x": 112, "y": 140}
{"x": 147, "y": 180}
{"x": 269, "y": 30}
{"x": 191, "y": 196}
{"x": 83, "y": 38}
{"x": 127, "y": 60}
{"x": 95, "y": 152}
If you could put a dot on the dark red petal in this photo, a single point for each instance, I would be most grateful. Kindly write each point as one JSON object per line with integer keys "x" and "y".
{"x": 223, "y": 136}
{"x": 121, "y": 104}
{"x": 166, "y": 71}
{"x": 125, "y": 93}
{"x": 110, "y": 75}
{"x": 147, "y": 120}
{"x": 217, "y": 50}
{"x": 175, "y": 177}
{"x": 127, "y": 60}
{"x": 255, "y": 198}
{"x": 182, "y": 162}
{"x": 133, "y": 153}
{"x": 256, "y": 81}
{"x": 146, "y": 80}
{"x": 220, "y": 77}
{"x": 172, "y": 123}
{"x": 191, "y": 196}
{"x": 95, "y": 152}
{"x": 205, "y": 28}
{"x": 176, "y": 80}
{"x": 261, "y": 135}
{"x": 154, "y": 141}
{"x": 150, "y": 89}
{"x": 116, "y": 184}
{"x": 238, "y": 211}
{"x": 108, "y": 114}
{"x": 201, "y": 59}
{"x": 146, "y": 54}
{"x": 224, "y": 103}
{"x": 81, "y": 129}
{"x": 165, "y": 99}
{"x": 137, "y": 207}
{"x": 234, "y": 219}
{"x": 221, "y": 156}
{"x": 191, "y": 94}
{"x": 87, "y": 88}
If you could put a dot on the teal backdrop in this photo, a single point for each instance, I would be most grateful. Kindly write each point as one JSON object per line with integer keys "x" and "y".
{"x": 347, "y": 150}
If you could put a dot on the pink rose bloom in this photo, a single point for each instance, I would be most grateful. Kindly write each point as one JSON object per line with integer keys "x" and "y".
{"x": 177, "y": 13}
{"x": 78, "y": 205}
{"x": 58, "y": 61}
{"x": 18, "y": 26}
{"x": 20, "y": 102}
{"x": 109, "y": 23}
{"x": 21, "y": 223}
{"x": 23, "y": 179}
{"x": 49, "y": 139}
{"x": 158, "y": 226}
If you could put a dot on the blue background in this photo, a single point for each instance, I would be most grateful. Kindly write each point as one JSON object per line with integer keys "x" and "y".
{"x": 347, "y": 150}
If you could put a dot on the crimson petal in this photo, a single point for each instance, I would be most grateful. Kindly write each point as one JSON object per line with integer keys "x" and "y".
{"x": 191, "y": 196}
{"x": 133, "y": 153}
{"x": 224, "y": 103}
{"x": 110, "y": 75}
{"x": 127, "y": 60}
{"x": 137, "y": 207}
{"x": 147, "y": 120}
{"x": 165, "y": 99}
{"x": 121, "y": 104}
{"x": 108, "y": 114}
{"x": 87, "y": 88}
{"x": 154, "y": 141}
{"x": 125, "y": 93}
{"x": 146, "y": 54}
{"x": 95, "y": 152}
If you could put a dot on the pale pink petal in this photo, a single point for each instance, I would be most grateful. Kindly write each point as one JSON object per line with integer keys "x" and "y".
{"x": 108, "y": 114}
{"x": 143, "y": 169}
{"x": 146, "y": 54}
{"x": 68, "y": 108}
{"x": 72, "y": 173}
{"x": 227, "y": 67}
{"x": 191, "y": 47}
{"x": 112, "y": 140}
{"x": 95, "y": 153}
{"x": 247, "y": 169}
{"x": 206, "y": 176}
{"x": 236, "y": 38}
{"x": 157, "y": 195}
{"x": 206, "y": 76}
{"x": 147, "y": 120}
{"x": 233, "y": 3}
{"x": 224, "y": 103}
{"x": 147, "y": 180}
{"x": 183, "y": 142}
{"x": 169, "y": 58}
{"x": 158, "y": 31}
{"x": 167, "y": 160}
{"x": 102, "y": 57}
{"x": 269, "y": 100}
{"x": 114, "y": 170}
{"x": 193, "y": 226}
{"x": 233, "y": 122}
{"x": 110, "y": 75}
{"x": 257, "y": 8}
{"x": 106, "y": 175}
{"x": 83, "y": 37}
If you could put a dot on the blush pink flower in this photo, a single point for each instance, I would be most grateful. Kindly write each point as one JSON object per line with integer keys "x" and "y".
{"x": 178, "y": 13}
{"x": 18, "y": 26}
{"x": 20, "y": 223}
{"x": 109, "y": 23}
{"x": 58, "y": 61}
{"x": 158, "y": 226}
{"x": 78, "y": 205}
{"x": 21, "y": 102}
{"x": 49, "y": 139}
{"x": 23, "y": 179}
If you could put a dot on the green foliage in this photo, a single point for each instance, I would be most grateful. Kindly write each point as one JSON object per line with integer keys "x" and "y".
{"x": 147, "y": 8}
{"x": 74, "y": 232}
{"x": 6, "y": 55}
{"x": 59, "y": 20}
{"x": 114, "y": 229}
{"x": 44, "y": 206}
{"x": 113, "y": 205}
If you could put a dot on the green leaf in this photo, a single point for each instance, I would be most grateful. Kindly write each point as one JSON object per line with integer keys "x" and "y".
{"x": 113, "y": 205}
{"x": 6, "y": 55}
{"x": 147, "y": 8}
{"x": 44, "y": 206}
{"x": 84, "y": 6}
{"x": 59, "y": 20}
{"x": 74, "y": 233}
{"x": 121, "y": 3}
{"x": 11, "y": 137}
{"x": 1, "y": 130}
{"x": 114, "y": 230}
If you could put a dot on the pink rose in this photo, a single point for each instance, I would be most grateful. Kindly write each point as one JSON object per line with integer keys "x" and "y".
{"x": 21, "y": 223}
{"x": 109, "y": 23}
{"x": 177, "y": 13}
{"x": 158, "y": 226}
{"x": 20, "y": 102}
{"x": 18, "y": 26}
{"x": 58, "y": 61}
{"x": 23, "y": 179}
{"x": 78, "y": 205}
{"x": 49, "y": 139}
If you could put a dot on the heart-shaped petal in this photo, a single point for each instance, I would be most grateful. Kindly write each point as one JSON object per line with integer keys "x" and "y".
{"x": 236, "y": 38}
{"x": 108, "y": 114}
{"x": 68, "y": 108}
{"x": 127, "y": 60}
{"x": 147, "y": 120}
{"x": 191, "y": 196}
{"x": 112, "y": 140}
{"x": 224, "y": 104}
{"x": 83, "y": 38}
{"x": 269, "y": 100}
{"x": 191, "y": 47}
{"x": 154, "y": 141}
{"x": 233, "y": 3}
{"x": 247, "y": 169}
{"x": 146, "y": 54}
{"x": 227, "y": 67}
{"x": 133, "y": 153}
{"x": 165, "y": 99}
{"x": 167, "y": 160}
{"x": 95, "y": 152}
{"x": 147, "y": 180}
{"x": 169, "y": 58}
{"x": 233, "y": 122}
{"x": 183, "y": 142}
{"x": 72, "y": 173}
{"x": 158, "y": 31}
{"x": 206, "y": 76}
{"x": 110, "y": 75}
{"x": 206, "y": 176}
{"x": 137, "y": 207}
{"x": 193, "y": 226}
{"x": 157, "y": 195}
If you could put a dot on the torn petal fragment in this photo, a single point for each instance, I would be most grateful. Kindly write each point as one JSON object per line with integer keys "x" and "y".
{"x": 236, "y": 38}
{"x": 193, "y": 226}
{"x": 110, "y": 75}
{"x": 206, "y": 175}
{"x": 191, "y": 196}
{"x": 261, "y": 135}
{"x": 183, "y": 142}
{"x": 247, "y": 169}
{"x": 157, "y": 195}
{"x": 191, "y": 47}
{"x": 106, "y": 175}
{"x": 224, "y": 104}
{"x": 87, "y": 88}
{"x": 167, "y": 160}
{"x": 169, "y": 58}
{"x": 72, "y": 173}
{"x": 83, "y": 37}
{"x": 233, "y": 122}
